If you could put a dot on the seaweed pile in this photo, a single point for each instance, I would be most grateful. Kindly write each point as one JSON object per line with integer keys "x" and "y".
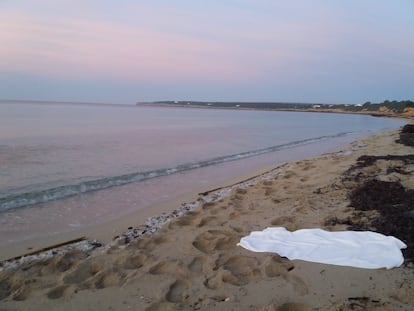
{"x": 407, "y": 135}
{"x": 380, "y": 199}
{"x": 395, "y": 206}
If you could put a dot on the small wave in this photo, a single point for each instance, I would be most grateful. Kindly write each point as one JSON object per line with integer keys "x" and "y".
{"x": 51, "y": 194}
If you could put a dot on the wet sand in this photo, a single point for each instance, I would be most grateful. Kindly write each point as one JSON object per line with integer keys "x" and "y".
{"x": 193, "y": 262}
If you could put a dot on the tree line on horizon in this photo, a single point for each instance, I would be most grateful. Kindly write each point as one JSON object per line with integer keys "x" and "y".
{"x": 394, "y": 106}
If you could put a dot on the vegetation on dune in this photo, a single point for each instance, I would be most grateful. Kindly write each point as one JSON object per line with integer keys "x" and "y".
{"x": 368, "y": 107}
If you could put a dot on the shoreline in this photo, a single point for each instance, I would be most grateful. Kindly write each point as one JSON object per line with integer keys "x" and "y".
{"x": 192, "y": 262}
{"x": 119, "y": 227}
{"x": 120, "y": 224}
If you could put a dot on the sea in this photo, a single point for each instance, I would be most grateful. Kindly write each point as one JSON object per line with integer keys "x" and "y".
{"x": 66, "y": 166}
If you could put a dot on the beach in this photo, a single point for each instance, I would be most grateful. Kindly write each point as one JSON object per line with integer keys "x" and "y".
{"x": 187, "y": 258}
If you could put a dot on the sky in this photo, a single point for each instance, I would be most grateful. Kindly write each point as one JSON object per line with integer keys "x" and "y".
{"x": 126, "y": 51}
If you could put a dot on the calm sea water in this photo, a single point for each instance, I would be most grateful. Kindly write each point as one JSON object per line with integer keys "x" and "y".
{"x": 65, "y": 166}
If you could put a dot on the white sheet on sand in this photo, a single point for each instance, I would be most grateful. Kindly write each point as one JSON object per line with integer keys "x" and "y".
{"x": 361, "y": 249}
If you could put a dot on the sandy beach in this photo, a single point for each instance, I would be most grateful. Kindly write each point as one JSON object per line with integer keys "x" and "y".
{"x": 193, "y": 262}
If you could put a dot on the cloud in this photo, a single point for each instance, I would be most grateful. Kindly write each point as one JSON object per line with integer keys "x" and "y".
{"x": 92, "y": 48}
{"x": 243, "y": 45}
{"x": 175, "y": 43}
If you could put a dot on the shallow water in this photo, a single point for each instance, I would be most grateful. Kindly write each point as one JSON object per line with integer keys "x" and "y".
{"x": 54, "y": 157}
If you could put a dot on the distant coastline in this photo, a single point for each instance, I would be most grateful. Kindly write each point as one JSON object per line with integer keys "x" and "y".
{"x": 384, "y": 109}
{"x": 402, "y": 109}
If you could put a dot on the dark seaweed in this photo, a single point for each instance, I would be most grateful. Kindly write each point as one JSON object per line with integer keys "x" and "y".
{"x": 407, "y": 135}
{"x": 393, "y": 202}
{"x": 395, "y": 205}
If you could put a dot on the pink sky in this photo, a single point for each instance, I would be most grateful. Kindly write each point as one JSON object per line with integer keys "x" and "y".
{"x": 238, "y": 50}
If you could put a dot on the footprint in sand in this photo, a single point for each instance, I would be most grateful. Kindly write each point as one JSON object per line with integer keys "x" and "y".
{"x": 269, "y": 191}
{"x": 307, "y": 167}
{"x": 241, "y": 191}
{"x": 239, "y": 230}
{"x": 197, "y": 265}
{"x": 289, "y": 174}
{"x": 268, "y": 182}
{"x": 267, "y": 187}
{"x": 15, "y": 287}
{"x": 214, "y": 240}
{"x": 83, "y": 272}
{"x": 94, "y": 275}
{"x": 64, "y": 262}
{"x": 234, "y": 270}
{"x": 185, "y": 220}
{"x": 240, "y": 206}
{"x": 213, "y": 208}
{"x": 178, "y": 291}
{"x": 215, "y": 211}
{"x": 19, "y": 285}
{"x": 149, "y": 243}
{"x": 108, "y": 278}
{"x": 132, "y": 262}
{"x": 237, "y": 198}
{"x": 276, "y": 266}
{"x": 209, "y": 205}
{"x": 208, "y": 221}
{"x": 214, "y": 282}
{"x": 239, "y": 269}
{"x": 169, "y": 267}
{"x": 289, "y": 222}
{"x": 57, "y": 292}
{"x": 21, "y": 293}
{"x": 298, "y": 284}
